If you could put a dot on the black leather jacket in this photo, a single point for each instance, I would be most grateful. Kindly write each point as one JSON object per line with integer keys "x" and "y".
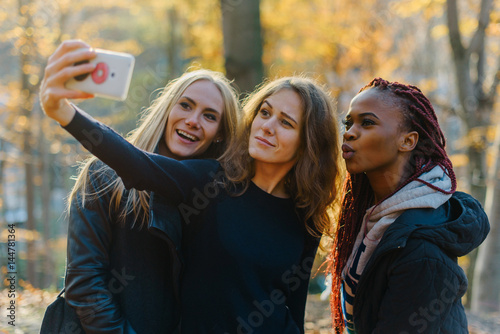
{"x": 122, "y": 278}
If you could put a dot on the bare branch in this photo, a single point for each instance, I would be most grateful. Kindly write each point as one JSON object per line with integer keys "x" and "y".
{"x": 453, "y": 27}
{"x": 477, "y": 41}
{"x": 494, "y": 85}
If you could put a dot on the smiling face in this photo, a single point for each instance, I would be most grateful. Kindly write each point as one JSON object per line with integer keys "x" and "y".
{"x": 374, "y": 139}
{"x": 193, "y": 123}
{"x": 275, "y": 133}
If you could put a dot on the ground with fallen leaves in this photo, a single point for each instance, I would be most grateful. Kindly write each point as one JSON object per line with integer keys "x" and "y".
{"x": 31, "y": 304}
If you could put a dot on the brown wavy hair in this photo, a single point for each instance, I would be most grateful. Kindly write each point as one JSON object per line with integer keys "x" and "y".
{"x": 418, "y": 115}
{"x": 313, "y": 182}
{"x": 147, "y": 136}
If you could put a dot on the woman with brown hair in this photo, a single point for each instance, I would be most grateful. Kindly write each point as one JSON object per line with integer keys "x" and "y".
{"x": 124, "y": 262}
{"x": 253, "y": 218}
{"x": 402, "y": 224}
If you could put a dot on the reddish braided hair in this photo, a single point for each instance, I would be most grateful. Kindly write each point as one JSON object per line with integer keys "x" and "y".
{"x": 418, "y": 115}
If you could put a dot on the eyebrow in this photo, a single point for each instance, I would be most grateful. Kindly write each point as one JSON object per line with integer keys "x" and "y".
{"x": 348, "y": 116}
{"x": 193, "y": 102}
{"x": 283, "y": 113}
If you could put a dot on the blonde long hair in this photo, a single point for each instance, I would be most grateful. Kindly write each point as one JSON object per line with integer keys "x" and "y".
{"x": 147, "y": 136}
{"x": 315, "y": 179}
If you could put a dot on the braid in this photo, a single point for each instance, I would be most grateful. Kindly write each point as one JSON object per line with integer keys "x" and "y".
{"x": 419, "y": 115}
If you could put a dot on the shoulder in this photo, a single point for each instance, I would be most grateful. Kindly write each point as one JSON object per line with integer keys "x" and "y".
{"x": 202, "y": 165}
{"x": 460, "y": 207}
{"x": 421, "y": 251}
{"x": 467, "y": 200}
{"x": 430, "y": 263}
{"x": 100, "y": 174}
{"x": 95, "y": 185}
{"x": 204, "y": 170}
{"x": 460, "y": 219}
{"x": 467, "y": 208}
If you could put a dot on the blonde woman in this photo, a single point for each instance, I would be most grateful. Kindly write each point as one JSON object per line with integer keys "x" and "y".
{"x": 124, "y": 264}
{"x": 253, "y": 218}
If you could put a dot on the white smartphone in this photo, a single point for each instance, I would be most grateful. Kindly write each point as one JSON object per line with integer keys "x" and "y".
{"x": 111, "y": 77}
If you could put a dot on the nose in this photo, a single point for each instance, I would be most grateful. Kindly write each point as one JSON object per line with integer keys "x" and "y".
{"x": 350, "y": 134}
{"x": 192, "y": 121}
{"x": 268, "y": 127}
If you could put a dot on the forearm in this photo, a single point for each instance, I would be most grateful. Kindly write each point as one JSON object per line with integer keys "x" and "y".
{"x": 135, "y": 167}
{"x": 60, "y": 68}
{"x": 64, "y": 114}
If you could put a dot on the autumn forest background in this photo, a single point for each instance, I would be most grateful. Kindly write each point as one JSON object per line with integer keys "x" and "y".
{"x": 448, "y": 48}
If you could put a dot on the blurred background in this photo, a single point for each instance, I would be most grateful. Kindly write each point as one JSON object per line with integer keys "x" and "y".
{"x": 448, "y": 48}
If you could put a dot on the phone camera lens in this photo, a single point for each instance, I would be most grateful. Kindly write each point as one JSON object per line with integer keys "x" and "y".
{"x": 81, "y": 77}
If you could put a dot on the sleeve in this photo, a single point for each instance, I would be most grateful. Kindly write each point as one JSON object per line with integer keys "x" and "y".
{"x": 87, "y": 273}
{"x": 419, "y": 296}
{"x": 175, "y": 180}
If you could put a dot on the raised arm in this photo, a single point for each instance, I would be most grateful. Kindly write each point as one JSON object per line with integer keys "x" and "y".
{"x": 138, "y": 169}
{"x": 53, "y": 94}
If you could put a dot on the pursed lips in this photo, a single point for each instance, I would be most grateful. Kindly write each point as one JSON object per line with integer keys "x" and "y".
{"x": 347, "y": 151}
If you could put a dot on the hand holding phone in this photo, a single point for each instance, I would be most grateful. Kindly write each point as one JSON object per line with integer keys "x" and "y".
{"x": 111, "y": 77}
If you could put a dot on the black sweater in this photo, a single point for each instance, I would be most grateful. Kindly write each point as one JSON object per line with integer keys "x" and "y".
{"x": 247, "y": 258}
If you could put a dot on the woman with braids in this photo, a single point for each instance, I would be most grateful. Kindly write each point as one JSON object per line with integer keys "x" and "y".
{"x": 402, "y": 224}
{"x": 123, "y": 262}
{"x": 253, "y": 218}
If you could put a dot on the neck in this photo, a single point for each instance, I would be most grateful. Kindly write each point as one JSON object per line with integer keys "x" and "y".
{"x": 385, "y": 182}
{"x": 271, "y": 178}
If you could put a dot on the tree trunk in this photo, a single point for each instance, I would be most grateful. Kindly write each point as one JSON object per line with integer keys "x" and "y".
{"x": 26, "y": 108}
{"x": 30, "y": 208}
{"x": 242, "y": 42}
{"x": 48, "y": 270}
{"x": 486, "y": 284}
{"x": 3, "y": 158}
{"x": 173, "y": 45}
{"x": 476, "y": 109}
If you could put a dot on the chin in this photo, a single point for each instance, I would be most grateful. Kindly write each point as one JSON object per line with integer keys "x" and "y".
{"x": 252, "y": 153}
{"x": 182, "y": 152}
{"x": 353, "y": 170}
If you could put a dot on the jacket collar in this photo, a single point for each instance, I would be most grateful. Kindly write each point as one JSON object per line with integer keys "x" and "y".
{"x": 458, "y": 226}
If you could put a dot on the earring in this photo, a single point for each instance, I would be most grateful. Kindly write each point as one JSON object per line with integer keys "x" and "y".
{"x": 217, "y": 141}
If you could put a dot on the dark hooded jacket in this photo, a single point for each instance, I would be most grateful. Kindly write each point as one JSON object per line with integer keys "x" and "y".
{"x": 413, "y": 283}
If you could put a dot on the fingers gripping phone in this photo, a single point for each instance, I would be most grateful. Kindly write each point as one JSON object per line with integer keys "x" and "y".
{"x": 111, "y": 77}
